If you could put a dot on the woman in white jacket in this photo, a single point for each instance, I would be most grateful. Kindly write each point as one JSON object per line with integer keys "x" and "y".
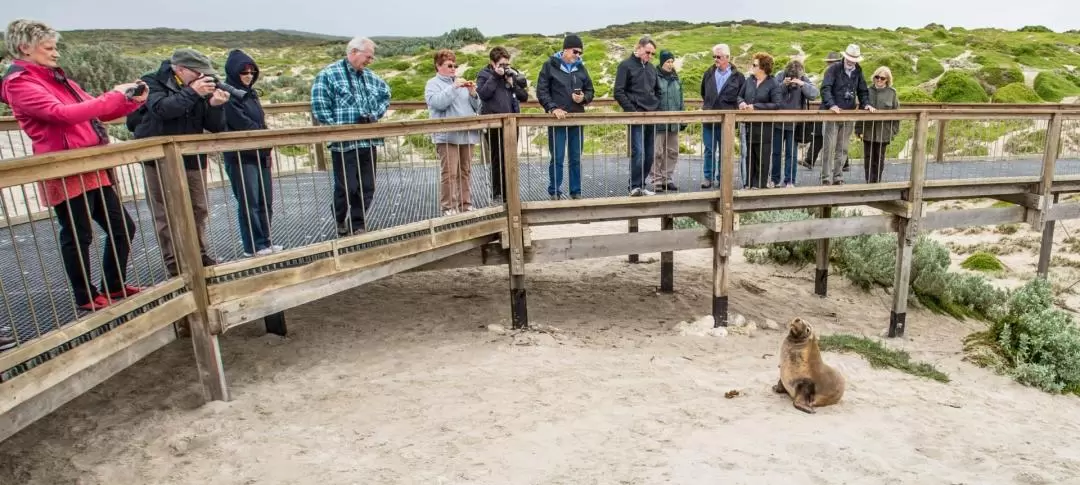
{"x": 449, "y": 96}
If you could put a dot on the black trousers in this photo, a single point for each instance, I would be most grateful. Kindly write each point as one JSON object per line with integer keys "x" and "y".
{"x": 759, "y": 158}
{"x": 816, "y": 144}
{"x": 495, "y": 154}
{"x": 354, "y": 185}
{"x": 873, "y": 160}
{"x": 76, "y": 234}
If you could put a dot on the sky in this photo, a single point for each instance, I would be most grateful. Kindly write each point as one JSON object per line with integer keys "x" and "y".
{"x": 494, "y": 17}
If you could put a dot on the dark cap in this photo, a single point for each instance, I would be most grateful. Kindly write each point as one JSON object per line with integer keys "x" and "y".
{"x": 665, "y": 55}
{"x": 832, "y": 57}
{"x": 572, "y": 42}
{"x": 194, "y": 60}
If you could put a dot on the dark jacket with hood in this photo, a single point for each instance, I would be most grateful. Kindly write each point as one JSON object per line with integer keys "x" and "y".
{"x": 636, "y": 86}
{"x": 556, "y": 84}
{"x": 175, "y": 110}
{"x": 246, "y": 113}
{"x": 728, "y": 97}
{"x": 496, "y": 96}
{"x": 796, "y": 97}
{"x": 839, "y": 89}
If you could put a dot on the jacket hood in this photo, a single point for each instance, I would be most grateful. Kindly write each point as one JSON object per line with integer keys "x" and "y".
{"x": 236, "y": 62}
{"x": 557, "y": 60}
{"x": 26, "y": 68}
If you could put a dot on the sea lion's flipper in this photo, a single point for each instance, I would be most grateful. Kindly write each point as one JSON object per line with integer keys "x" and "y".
{"x": 804, "y": 396}
{"x": 779, "y": 387}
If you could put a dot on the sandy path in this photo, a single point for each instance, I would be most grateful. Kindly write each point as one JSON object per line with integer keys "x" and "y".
{"x": 399, "y": 382}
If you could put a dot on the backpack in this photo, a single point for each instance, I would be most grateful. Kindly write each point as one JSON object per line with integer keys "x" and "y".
{"x": 135, "y": 118}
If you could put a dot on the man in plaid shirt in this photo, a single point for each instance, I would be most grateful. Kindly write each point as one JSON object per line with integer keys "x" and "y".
{"x": 347, "y": 92}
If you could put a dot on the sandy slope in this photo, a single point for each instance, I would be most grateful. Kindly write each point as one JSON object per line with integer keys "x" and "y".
{"x": 401, "y": 382}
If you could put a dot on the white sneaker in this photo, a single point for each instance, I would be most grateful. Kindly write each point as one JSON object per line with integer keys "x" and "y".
{"x": 789, "y": 186}
{"x": 636, "y": 192}
{"x": 264, "y": 252}
{"x": 449, "y": 212}
{"x": 770, "y": 185}
{"x": 277, "y": 248}
{"x": 647, "y": 192}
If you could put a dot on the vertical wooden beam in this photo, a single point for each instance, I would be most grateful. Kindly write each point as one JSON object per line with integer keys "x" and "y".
{"x": 908, "y": 229}
{"x": 1046, "y": 179}
{"x": 189, "y": 256}
{"x": 821, "y": 274}
{"x": 320, "y": 150}
{"x": 940, "y": 145}
{"x": 632, "y": 226}
{"x": 667, "y": 260}
{"x": 1046, "y": 247}
{"x": 723, "y": 238}
{"x": 519, "y": 315}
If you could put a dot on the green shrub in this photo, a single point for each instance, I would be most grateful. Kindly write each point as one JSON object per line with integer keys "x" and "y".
{"x": 1035, "y": 343}
{"x": 789, "y": 252}
{"x": 99, "y": 67}
{"x": 959, "y": 87}
{"x": 998, "y": 76}
{"x": 912, "y": 94}
{"x": 1034, "y": 28}
{"x": 984, "y": 262}
{"x": 928, "y": 68}
{"x": 1016, "y": 93}
{"x": 1053, "y": 87}
{"x": 867, "y": 261}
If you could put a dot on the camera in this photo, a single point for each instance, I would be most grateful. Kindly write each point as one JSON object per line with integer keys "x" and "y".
{"x": 138, "y": 90}
{"x": 519, "y": 78}
{"x": 233, "y": 92}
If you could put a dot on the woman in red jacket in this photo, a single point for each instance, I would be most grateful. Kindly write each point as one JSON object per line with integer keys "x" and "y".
{"x": 58, "y": 115}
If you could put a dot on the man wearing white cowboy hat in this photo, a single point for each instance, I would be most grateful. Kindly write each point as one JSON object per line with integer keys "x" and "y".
{"x": 844, "y": 88}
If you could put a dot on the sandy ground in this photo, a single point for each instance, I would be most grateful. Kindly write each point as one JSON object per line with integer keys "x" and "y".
{"x": 401, "y": 382}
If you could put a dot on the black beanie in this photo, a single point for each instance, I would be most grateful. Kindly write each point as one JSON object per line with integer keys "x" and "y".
{"x": 664, "y": 56}
{"x": 572, "y": 41}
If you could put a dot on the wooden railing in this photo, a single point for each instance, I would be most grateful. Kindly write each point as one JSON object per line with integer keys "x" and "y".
{"x": 42, "y": 374}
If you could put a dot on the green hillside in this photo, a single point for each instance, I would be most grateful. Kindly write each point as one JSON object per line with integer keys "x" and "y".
{"x": 987, "y": 58}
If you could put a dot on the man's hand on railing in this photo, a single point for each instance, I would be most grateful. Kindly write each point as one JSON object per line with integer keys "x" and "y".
{"x": 871, "y": 109}
{"x": 559, "y": 113}
{"x": 835, "y": 109}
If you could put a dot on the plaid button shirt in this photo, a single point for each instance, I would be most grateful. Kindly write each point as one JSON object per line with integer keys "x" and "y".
{"x": 343, "y": 96}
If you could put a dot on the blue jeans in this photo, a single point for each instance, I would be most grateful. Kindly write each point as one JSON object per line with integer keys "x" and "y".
{"x": 642, "y": 150}
{"x": 564, "y": 142}
{"x": 254, "y": 192}
{"x": 787, "y": 139}
{"x": 711, "y": 135}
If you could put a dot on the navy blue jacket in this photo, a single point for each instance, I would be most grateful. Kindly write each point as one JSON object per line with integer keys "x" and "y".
{"x": 496, "y": 96}
{"x": 246, "y": 113}
{"x": 839, "y": 89}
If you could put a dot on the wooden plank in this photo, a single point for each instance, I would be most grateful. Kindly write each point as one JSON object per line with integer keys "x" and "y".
{"x": 821, "y": 258}
{"x": 972, "y": 191}
{"x": 907, "y": 228}
{"x": 69, "y": 364}
{"x": 1050, "y": 156}
{"x": 608, "y": 245}
{"x": 1046, "y": 245}
{"x": 980, "y": 181}
{"x": 1060, "y": 212}
{"x": 514, "y": 206}
{"x": 189, "y": 256}
{"x": 246, "y": 140}
{"x": 56, "y": 396}
{"x": 561, "y": 215}
{"x": 723, "y": 239}
{"x": 490, "y": 254}
{"x": 1064, "y": 184}
{"x": 792, "y": 201}
{"x": 620, "y": 201}
{"x": 900, "y": 208}
{"x": 752, "y": 234}
{"x": 1026, "y": 199}
{"x": 258, "y": 305}
{"x": 51, "y": 340}
{"x": 711, "y": 220}
{"x": 990, "y": 216}
{"x": 940, "y": 140}
{"x": 241, "y": 265}
{"x": 26, "y": 170}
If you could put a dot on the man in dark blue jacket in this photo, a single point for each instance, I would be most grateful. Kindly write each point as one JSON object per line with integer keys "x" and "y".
{"x": 183, "y": 100}
{"x": 844, "y": 88}
{"x": 637, "y": 90}
{"x": 501, "y": 90}
{"x": 720, "y": 88}
{"x": 562, "y": 87}
{"x": 249, "y": 170}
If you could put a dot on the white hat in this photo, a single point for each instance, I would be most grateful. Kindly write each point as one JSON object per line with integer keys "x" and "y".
{"x": 853, "y": 53}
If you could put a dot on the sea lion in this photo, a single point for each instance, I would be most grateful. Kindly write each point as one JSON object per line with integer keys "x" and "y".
{"x": 809, "y": 381}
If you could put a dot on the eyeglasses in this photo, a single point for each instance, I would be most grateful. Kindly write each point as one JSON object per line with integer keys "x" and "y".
{"x": 504, "y": 66}
{"x": 450, "y": 65}
{"x": 719, "y": 57}
{"x": 649, "y": 53}
{"x": 577, "y": 52}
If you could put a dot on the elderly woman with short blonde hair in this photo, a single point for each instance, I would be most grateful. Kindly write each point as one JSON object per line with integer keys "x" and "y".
{"x": 57, "y": 114}
{"x": 876, "y": 135}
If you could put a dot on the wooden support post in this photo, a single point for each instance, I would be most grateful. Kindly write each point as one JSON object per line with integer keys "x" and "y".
{"x": 1046, "y": 247}
{"x": 667, "y": 259}
{"x": 519, "y": 315}
{"x": 320, "y": 150}
{"x": 908, "y": 229}
{"x": 821, "y": 274}
{"x": 1046, "y": 179}
{"x": 723, "y": 238}
{"x": 275, "y": 324}
{"x": 632, "y": 226}
{"x": 189, "y": 256}
{"x": 940, "y": 145}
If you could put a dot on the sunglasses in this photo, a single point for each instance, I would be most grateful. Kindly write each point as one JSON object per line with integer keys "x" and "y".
{"x": 248, "y": 73}
{"x": 880, "y": 78}
{"x": 451, "y": 66}
{"x": 719, "y": 57}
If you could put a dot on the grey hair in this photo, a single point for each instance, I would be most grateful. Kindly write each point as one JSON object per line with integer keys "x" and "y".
{"x": 27, "y": 32}
{"x": 358, "y": 43}
{"x": 645, "y": 40}
{"x": 721, "y": 50}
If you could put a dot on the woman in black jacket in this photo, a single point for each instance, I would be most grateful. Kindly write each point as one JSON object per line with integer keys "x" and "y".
{"x": 249, "y": 170}
{"x": 760, "y": 92}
